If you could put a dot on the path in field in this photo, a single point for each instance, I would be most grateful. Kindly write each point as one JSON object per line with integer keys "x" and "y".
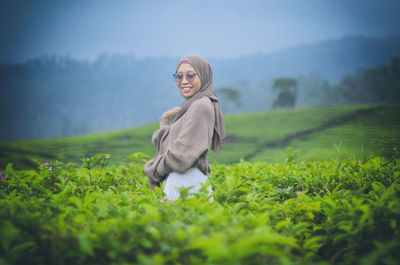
{"x": 337, "y": 121}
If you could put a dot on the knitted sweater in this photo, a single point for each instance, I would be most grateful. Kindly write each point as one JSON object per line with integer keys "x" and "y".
{"x": 183, "y": 144}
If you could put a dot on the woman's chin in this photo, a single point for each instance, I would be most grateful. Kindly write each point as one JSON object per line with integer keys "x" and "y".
{"x": 186, "y": 95}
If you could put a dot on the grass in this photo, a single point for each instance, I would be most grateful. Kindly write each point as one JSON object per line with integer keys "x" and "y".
{"x": 339, "y": 132}
{"x": 376, "y": 134}
{"x": 324, "y": 133}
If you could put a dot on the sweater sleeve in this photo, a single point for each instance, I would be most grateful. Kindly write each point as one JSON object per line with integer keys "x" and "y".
{"x": 183, "y": 152}
{"x": 160, "y": 135}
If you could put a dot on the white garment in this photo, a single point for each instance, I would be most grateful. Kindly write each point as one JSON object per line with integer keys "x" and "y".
{"x": 191, "y": 177}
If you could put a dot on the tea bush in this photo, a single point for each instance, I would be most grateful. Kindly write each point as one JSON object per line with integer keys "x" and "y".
{"x": 335, "y": 212}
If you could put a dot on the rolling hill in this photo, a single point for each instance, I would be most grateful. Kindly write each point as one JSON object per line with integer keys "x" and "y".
{"x": 322, "y": 133}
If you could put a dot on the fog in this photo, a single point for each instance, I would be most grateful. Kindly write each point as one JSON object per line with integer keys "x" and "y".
{"x": 214, "y": 29}
{"x": 78, "y": 67}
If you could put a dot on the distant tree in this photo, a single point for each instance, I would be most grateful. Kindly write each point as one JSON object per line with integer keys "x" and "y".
{"x": 371, "y": 85}
{"x": 231, "y": 95}
{"x": 313, "y": 90}
{"x": 287, "y": 88}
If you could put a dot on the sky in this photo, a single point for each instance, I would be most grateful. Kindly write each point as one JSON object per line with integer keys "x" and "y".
{"x": 214, "y": 29}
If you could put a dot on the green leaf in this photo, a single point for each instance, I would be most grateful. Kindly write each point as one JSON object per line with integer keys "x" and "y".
{"x": 84, "y": 244}
{"x": 313, "y": 243}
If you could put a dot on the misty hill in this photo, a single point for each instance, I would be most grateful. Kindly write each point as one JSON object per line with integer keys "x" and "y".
{"x": 331, "y": 58}
{"x": 60, "y": 96}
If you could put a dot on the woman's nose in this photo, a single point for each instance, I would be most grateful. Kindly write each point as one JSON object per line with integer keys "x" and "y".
{"x": 184, "y": 79}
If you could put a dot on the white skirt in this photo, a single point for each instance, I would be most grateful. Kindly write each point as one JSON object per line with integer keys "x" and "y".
{"x": 191, "y": 177}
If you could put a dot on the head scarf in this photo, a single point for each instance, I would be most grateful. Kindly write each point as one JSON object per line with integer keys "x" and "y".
{"x": 203, "y": 69}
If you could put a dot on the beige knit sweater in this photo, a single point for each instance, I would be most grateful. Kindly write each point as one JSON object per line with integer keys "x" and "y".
{"x": 183, "y": 144}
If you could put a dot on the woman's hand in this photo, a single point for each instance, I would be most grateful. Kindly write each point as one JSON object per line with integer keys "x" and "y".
{"x": 171, "y": 112}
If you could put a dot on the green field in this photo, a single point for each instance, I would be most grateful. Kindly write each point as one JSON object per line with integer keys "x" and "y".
{"x": 315, "y": 133}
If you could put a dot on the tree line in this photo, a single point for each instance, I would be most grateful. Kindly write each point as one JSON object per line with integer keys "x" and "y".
{"x": 379, "y": 84}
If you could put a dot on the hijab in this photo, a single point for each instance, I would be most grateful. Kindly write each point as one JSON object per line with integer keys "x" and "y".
{"x": 203, "y": 69}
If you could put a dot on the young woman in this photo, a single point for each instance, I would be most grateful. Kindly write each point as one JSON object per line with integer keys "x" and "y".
{"x": 187, "y": 132}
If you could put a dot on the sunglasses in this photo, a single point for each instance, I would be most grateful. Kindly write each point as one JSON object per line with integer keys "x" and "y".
{"x": 189, "y": 77}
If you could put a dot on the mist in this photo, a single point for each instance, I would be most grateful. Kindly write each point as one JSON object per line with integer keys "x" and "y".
{"x": 77, "y": 67}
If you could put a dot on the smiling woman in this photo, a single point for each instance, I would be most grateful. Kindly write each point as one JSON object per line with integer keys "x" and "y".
{"x": 187, "y": 132}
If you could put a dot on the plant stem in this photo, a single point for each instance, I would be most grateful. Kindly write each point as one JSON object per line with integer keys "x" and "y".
{"x": 127, "y": 172}
{"x": 53, "y": 181}
{"x": 102, "y": 166}
{"x": 90, "y": 176}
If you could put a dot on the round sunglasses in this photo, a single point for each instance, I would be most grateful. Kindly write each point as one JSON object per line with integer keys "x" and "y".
{"x": 189, "y": 77}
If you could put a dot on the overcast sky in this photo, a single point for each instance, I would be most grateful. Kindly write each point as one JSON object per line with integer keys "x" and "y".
{"x": 213, "y": 29}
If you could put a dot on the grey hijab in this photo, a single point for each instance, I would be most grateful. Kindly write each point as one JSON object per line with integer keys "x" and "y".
{"x": 203, "y": 69}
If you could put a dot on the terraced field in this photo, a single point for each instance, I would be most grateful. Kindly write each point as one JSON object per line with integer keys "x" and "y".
{"x": 315, "y": 133}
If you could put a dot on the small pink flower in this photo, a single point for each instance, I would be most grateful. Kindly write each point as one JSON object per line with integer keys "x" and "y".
{"x": 50, "y": 168}
{"x": 298, "y": 192}
{"x": 45, "y": 164}
{"x": 1, "y": 176}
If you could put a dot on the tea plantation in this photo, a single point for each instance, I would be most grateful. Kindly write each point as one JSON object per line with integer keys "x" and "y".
{"x": 328, "y": 212}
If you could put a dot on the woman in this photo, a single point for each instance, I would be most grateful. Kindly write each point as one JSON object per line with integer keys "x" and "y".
{"x": 187, "y": 132}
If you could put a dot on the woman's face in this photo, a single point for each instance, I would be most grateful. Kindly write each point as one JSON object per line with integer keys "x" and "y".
{"x": 188, "y": 89}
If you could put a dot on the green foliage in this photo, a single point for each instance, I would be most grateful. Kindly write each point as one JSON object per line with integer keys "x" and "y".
{"x": 285, "y": 83}
{"x": 287, "y": 92}
{"x": 231, "y": 93}
{"x": 290, "y": 155}
{"x": 231, "y": 96}
{"x": 379, "y": 84}
{"x": 368, "y": 85}
{"x": 330, "y": 212}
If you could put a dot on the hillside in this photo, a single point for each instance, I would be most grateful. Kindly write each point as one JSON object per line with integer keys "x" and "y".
{"x": 315, "y": 133}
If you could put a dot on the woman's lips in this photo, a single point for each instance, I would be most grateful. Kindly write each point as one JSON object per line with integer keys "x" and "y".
{"x": 186, "y": 89}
